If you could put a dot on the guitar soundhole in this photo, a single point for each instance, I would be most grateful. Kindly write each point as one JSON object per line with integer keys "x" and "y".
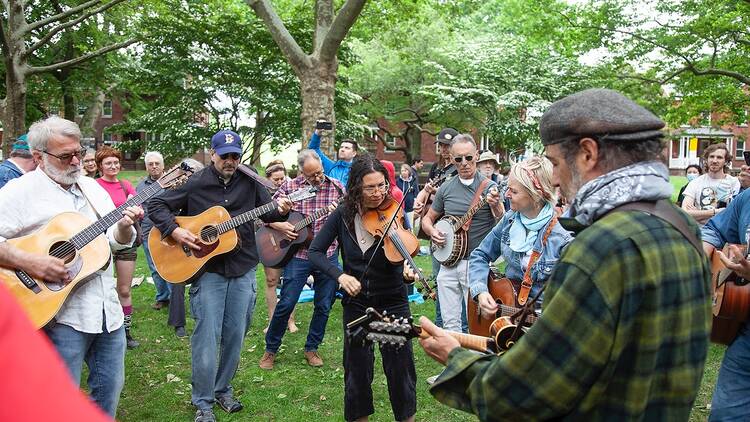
{"x": 63, "y": 250}
{"x": 209, "y": 234}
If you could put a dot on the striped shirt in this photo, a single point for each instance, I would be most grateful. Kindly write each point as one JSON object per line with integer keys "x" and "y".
{"x": 623, "y": 336}
{"x": 330, "y": 191}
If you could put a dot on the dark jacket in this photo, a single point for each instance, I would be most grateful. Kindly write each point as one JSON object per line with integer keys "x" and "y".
{"x": 409, "y": 195}
{"x": 383, "y": 277}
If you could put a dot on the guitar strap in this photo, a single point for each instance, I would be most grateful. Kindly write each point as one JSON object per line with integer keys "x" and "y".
{"x": 91, "y": 204}
{"x": 665, "y": 211}
{"x": 258, "y": 178}
{"x": 523, "y": 292}
{"x": 477, "y": 196}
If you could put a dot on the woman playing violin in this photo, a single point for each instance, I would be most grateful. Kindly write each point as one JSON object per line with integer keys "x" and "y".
{"x": 369, "y": 279}
{"x": 521, "y": 232}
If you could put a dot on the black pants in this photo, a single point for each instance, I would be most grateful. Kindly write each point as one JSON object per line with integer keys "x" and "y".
{"x": 398, "y": 364}
{"x": 177, "y": 306}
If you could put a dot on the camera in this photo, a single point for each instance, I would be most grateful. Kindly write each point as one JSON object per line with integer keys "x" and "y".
{"x": 324, "y": 125}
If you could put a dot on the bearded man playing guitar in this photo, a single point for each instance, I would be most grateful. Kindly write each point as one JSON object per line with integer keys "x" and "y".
{"x": 626, "y": 317}
{"x": 89, "y": 325}
{"x": 731, "y": 398}
{"x": 454, "y": 198}
{"x": 222, "y": 300}
{"x": 299, "y": 267}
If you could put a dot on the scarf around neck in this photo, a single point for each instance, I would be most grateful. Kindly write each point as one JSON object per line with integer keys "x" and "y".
{"x": 644, "y": 181}
{"x": 524, "y": 230}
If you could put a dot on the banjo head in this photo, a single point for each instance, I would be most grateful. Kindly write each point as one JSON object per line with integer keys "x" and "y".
{"x": 443, "y": 253}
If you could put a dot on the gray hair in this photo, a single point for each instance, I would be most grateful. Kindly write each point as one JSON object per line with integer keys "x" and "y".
{"x": 305, "y": 155}
{"x": 153, "y": 154}
{"x": 41, "y": 131}
{"x": 194, "y": 164}
{"x": 464, "y": 138}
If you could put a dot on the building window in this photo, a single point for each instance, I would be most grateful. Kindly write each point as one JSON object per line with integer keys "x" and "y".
{"x": 485, "y": 143}
{"x": 107, "y": 138}
{"x": 740, "y": 149}
{"x": 388, "y": 143}
{"x": 151, "y": 137}
{"x": 107, "y": 108}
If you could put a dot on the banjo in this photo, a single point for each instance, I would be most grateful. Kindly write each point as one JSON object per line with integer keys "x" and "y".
{"x": 456, "y": 236}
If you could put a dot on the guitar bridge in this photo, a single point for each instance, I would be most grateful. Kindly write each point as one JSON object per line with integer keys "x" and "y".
{"x": 28, "y": 281}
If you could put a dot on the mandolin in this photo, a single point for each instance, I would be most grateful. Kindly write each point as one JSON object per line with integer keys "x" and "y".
{"x": 506, "y": 296}
{"x": 215, "y": 229}
{"x": 83, "y": 246}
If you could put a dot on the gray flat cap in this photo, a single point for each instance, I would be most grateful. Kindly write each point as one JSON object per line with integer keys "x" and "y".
{"x": 599, "y": 113}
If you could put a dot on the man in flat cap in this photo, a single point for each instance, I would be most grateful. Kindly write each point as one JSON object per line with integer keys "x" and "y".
{"x": 624, "y": 332}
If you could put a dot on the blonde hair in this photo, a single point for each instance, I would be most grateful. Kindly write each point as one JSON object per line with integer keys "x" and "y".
{"x": 535, "y": 175}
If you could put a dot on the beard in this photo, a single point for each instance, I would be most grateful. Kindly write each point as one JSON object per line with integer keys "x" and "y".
{"x": 63, "y": 177}
{"x": 576, "y": 182}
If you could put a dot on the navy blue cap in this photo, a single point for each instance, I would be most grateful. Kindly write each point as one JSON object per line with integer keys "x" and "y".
{"x": 226, "y": 141}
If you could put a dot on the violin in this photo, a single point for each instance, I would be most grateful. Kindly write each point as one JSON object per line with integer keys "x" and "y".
{"x": 399, "y": 243}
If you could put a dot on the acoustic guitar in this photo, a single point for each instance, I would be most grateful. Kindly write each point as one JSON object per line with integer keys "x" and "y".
{"x": 731, "y": 301}
{"x": 215, "y": 229}
{"x": 83, "y": 247}
{"x": 275, "y": 250}
{"x": 504, "y": 293}
{"x": 448, "y": 171}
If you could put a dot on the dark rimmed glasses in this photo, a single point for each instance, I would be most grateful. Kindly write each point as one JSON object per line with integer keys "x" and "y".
{"x": 67, "y": 158}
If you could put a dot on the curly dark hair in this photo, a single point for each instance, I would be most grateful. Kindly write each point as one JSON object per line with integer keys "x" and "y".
{"x": 363, "y": 165}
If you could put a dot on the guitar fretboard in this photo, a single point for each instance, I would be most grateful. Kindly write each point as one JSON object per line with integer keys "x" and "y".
{"x": 310, "y": 219}
{"x": 245, "y": 217}
{"x": 85, "y": 236}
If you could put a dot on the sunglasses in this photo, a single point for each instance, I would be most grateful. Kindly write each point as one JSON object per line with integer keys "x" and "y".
{"x": 460, "y": 159}
{"x": 233, "y": 155}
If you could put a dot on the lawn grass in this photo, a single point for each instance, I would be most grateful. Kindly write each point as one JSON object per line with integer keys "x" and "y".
{"x": 157, "y": 382}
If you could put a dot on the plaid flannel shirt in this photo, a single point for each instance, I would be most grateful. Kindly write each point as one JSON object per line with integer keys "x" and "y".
{"x": 327, "y": 194}
{"x": 623, "y": 336}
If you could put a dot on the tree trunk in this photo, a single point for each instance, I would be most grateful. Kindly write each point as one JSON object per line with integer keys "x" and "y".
{"x": 91, "y": 114}
{"x": 413, "y": 143}
{"x": 14, "y": 120}
{"x": 318, "y": 87}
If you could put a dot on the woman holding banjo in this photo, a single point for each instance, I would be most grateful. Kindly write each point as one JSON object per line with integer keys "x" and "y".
{"x": 369, "y": 279}
{"x": 529, "y": 226}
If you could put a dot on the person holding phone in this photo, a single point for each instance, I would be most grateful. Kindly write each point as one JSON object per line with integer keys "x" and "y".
{"x": 348, "y": 148}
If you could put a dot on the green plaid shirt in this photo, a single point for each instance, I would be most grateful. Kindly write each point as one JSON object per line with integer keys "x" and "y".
{"x": 623, "y": 335}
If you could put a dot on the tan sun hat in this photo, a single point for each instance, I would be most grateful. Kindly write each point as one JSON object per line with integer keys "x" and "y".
{"x": 488, "y": 156}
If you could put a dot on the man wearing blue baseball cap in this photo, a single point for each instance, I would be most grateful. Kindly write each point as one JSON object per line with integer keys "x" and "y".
{"x": 20, "y": 161}
{"x": 223, "y": 298}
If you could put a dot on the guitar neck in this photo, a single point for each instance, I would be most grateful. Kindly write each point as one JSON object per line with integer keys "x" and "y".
{"x": 310, "y": 219}
{"x": 245, "y": 217}
{"x": 473, "y": 210}
{"x": 469, "y": 341}
{"x": 91, "y": 232}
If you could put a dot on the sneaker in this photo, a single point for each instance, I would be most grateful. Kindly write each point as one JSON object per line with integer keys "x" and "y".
{"x": 314, "y": 359}
{"x": 205, "y": 415}
{"x": 180, "y": 332}
{"x": 229, "y": 404}
{"x": 266, "y": 362}
{"x": 130, "y": 341}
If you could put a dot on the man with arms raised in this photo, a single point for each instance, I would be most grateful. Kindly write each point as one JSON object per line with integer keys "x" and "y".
{"x": 339, "y": 170}
{"x": 624, "y": 332}
{"x": 89, "y": 326}
{"x": 222, "y": 300}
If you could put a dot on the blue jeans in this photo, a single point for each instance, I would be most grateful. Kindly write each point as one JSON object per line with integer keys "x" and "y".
{"x": 104, "y": 355}
{"x": 221, "y": 308}
{"x": 163, "y": 289}
{"x": 731, "y": 399}
{"x": 295, "y": 276}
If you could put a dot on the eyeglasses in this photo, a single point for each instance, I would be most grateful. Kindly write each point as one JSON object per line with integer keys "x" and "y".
{"x": 459, "y": 159}
{"x": 382, "y": 188}
{"x": 315, "y": 176}
{"x": 233, "y": 155}
{"x": 66, "y": 158}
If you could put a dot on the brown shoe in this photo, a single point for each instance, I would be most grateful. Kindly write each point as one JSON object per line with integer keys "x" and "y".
{"x": 314, "y": 359}
{"x": 159, "y": 305}
{"x": 266, "y": 362}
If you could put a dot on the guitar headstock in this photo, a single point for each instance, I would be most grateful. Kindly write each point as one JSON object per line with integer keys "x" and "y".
{"x": 302, "y": 194}
{"x": 375, "y": 327}
{"x": 175, "y": 176}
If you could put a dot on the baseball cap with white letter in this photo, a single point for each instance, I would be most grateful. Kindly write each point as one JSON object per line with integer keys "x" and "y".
{"x": 226, "y": 141}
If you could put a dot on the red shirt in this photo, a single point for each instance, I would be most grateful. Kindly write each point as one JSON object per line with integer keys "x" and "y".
{"x": 114, "y": 189}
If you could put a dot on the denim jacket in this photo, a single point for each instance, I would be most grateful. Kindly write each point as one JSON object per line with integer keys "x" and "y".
{"x": 497, "y": 242}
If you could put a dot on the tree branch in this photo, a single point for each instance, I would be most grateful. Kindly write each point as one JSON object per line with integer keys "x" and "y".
{"x": 286, "y": 42}
{"x": 69, "y": 24}
{"x": 30, "y": 70}
{"x": 60, "y": 16}
{"x": 341, "y": 25}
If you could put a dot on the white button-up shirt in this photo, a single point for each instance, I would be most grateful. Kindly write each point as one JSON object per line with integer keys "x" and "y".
{"x": 27, "y": 203}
